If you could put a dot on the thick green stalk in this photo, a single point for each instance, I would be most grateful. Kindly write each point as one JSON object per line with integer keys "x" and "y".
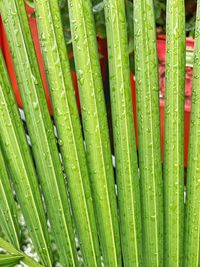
{"x": 124, "y": 137}
{"x": 68, "y": 125}
{"x": 174, "y": 135}
{"x": 18, "y": 160}
{"x": 192, "y": 229}
{"x": 40, "y": 129}
{"x": 95, "y": 128}
{"x": 8, "y": 211}
{"x": 13, "y": 251}
{"x": 146, "y": 72}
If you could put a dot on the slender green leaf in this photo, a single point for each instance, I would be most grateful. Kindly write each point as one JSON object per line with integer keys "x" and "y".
{"x": 8, "y": 209}
{"x": 68, "y": 126}
{"x": 124, "y": 137}
{"x": 192, "y": 229}
{"x": 18, "y": 158}
{"x": 9, "y": 260}
{"x": 40, "y": 129}
{"x": 174, "y": 134}
{"x": 95, "y": 128}
{"x": 147, "y": 90}
{"x": 11, "y": 250}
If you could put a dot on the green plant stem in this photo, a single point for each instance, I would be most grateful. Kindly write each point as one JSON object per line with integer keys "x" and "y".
{"x": 19, "y": 162}
{"x": 95, "y": 128}
{"x": 192, "y": 229}
{"x": 68, "y": 126}
{"x": 174, "y": 134}
{"x": 124, "y": 137}
{"x": 8, "y": 211}
{"x": 146, "y": 72}
{"x": 40, "y": 129}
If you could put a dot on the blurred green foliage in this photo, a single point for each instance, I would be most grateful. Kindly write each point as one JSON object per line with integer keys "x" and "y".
{"x": 160, "y": 11}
